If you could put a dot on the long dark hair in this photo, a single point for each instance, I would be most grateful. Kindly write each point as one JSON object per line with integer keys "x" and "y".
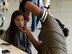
{"x": 13, "y": 28}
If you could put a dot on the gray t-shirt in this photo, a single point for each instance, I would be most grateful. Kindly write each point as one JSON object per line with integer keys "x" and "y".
{"x": 51, "y": 37}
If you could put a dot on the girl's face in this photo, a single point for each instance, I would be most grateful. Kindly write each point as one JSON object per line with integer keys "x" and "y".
{"x": 19, "y": 21}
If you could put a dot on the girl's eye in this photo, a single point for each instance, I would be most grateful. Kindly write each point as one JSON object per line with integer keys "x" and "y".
{"x": 17, "y": 20}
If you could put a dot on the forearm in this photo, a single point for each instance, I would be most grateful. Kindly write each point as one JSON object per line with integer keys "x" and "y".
{"x": 41, "y": 14}
{"x": 32, "y": 8}
{"x": 35, "y": 43}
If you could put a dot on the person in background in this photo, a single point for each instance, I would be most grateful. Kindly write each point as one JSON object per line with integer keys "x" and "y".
{"x": 21, "y": 7}
{"x": 5, "y": 5}
{"x": 14, "y": 35}
{"x": 51, "y": 38}
{"x": 34, "y": 18}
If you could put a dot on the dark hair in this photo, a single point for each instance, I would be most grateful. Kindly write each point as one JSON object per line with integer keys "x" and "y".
{"x": 65, "y": 30}
{"x": 13, "y": 28}
{"x": 22, "y": 5}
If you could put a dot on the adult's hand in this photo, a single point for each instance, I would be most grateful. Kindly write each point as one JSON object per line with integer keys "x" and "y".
{"x": 24, "y": 29}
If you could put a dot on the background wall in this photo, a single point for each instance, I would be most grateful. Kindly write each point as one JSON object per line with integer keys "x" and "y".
{"x": 62, "y": 10}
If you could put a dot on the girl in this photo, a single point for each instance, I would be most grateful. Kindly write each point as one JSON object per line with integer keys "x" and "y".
{"x": 14, "y": 35}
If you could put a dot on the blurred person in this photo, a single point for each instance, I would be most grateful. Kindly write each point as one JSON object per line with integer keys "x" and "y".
{"x": 35, "y": 20}
{"x": 52, "y": 39}
{"x": 5, "y": 5}
{"x": 21, "y": 7}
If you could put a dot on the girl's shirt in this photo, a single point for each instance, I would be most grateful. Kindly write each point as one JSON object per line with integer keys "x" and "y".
{"x": 23, "y": 41}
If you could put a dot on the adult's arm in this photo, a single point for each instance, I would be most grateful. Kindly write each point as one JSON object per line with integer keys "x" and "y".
{"x": 33, "y": 8}
{"x": 36, "y": 10}
{"x": 35, "y": 43}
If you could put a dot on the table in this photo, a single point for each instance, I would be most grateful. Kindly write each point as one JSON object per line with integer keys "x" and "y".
{"x": 11, "y": 48}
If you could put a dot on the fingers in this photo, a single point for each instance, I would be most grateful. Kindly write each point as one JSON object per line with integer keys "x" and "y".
{"x": 22, "y": 29}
